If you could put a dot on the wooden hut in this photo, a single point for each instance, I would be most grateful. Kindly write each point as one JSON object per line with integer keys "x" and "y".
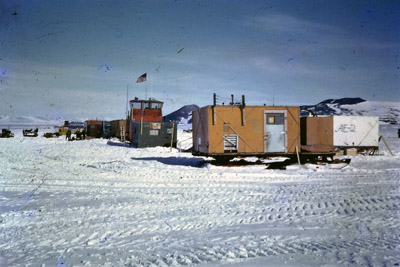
{"x": 93, "y": 128}
{"x": 331, "y": 132}
{"x": 239, "y": 130}
{"x": 118, "y": 128}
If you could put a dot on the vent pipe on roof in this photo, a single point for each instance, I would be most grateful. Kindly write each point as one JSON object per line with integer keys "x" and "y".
{"x": 214, "y": 109}
{"x": 215, "y": 99}
{"x": 243, "y": 113}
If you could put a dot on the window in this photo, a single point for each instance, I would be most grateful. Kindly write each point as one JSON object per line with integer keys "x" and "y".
{"x": 271, "y": 120}
{"x": 136, "y": 105}
{"x": 275, "y": 118}
{"x": 153, "y": 132}
{"x": 156, "y": 105}
{"x": 155, "y": 125}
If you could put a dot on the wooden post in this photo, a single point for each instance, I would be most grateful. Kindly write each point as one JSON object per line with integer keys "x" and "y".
{"x": 172, "y": 136}
{"x": 141, "y": 126}
{"x": 298, "y": 156}
{"x": 383, "y": 139}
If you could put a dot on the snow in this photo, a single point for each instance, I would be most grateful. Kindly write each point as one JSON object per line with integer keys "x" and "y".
{"x": 388, "y": 112}
{"x": 28, "y": 121}
{"x": 86, "y": 203}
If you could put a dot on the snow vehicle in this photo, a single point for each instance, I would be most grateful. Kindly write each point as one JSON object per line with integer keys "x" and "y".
{"x": 30, "y": 132}
{"x": 51, "y": 135}
{"x": 5, "y": 133}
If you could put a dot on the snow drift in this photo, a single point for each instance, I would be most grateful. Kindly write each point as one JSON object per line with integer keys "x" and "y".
{"x": 86, "y": 203}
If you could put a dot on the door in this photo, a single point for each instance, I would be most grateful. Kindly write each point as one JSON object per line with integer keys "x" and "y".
{"x": 274, "y": 132}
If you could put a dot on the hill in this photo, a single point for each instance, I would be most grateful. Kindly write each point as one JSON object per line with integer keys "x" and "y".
{"x": 28, "y": 121}
{"x": 388, "y": 112}
{"x": 182, "y": 115}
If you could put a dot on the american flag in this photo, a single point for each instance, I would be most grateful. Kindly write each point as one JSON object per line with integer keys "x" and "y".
{"x": 142, "y": 78}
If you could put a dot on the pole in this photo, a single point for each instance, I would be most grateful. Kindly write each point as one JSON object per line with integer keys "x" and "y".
{"x": 141, "y": 125}
{"x": 127, "y": 113}
{"x": 298, "y": 156}
{"x": 172, "y": 136}
{"x": 383, "y": 139}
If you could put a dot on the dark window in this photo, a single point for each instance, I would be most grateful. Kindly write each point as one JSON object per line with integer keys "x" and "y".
{"x": 275, "y": 118}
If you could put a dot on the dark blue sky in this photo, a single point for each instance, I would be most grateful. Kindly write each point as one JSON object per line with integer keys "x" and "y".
{"x": 74, "y": 58}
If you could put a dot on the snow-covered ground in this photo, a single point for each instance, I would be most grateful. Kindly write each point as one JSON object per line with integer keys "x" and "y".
{"x": 86, "y": 203}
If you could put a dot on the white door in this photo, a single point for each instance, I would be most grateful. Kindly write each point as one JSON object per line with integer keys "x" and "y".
{"x": 274, "y": 132}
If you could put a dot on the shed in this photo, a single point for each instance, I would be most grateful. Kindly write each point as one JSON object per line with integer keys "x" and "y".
{"x": 238, "y": 130}
{"x": 340, "y": 131}
{"x": 152, "y": 134}
{"x": 93, "y": 128}
{"x": 118, "y": 128}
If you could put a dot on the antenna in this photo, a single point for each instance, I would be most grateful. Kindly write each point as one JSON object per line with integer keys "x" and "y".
{"x": 127, "y": 112}
{"x": 215, "y": 99}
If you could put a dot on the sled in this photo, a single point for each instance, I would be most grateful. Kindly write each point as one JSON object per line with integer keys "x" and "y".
{"x": 30, "y": 133}
{"x": 51, "y": 135}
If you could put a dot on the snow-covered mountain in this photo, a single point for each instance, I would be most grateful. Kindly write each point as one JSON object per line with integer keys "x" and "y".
{"x": 32, "y": 121}
{"x": 388, "y": 112}
{"x": 331, "y": 107}
{"x": 182, "y": 115}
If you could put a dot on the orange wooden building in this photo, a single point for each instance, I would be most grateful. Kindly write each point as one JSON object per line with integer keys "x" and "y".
{"x": 239, "y": 130}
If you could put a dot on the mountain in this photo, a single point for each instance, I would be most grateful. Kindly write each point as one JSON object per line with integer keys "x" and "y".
{"x": 182, "y": 115}
{"x": 331, "y": 107}
{"x": 388, "y": 112}
{"x": 28, "y": 121}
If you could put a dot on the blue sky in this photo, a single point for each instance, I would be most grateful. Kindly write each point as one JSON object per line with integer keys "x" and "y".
{"x": 74, "y": 59}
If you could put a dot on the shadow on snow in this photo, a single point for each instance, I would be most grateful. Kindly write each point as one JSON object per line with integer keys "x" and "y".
{"x": 189, "y": 162}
